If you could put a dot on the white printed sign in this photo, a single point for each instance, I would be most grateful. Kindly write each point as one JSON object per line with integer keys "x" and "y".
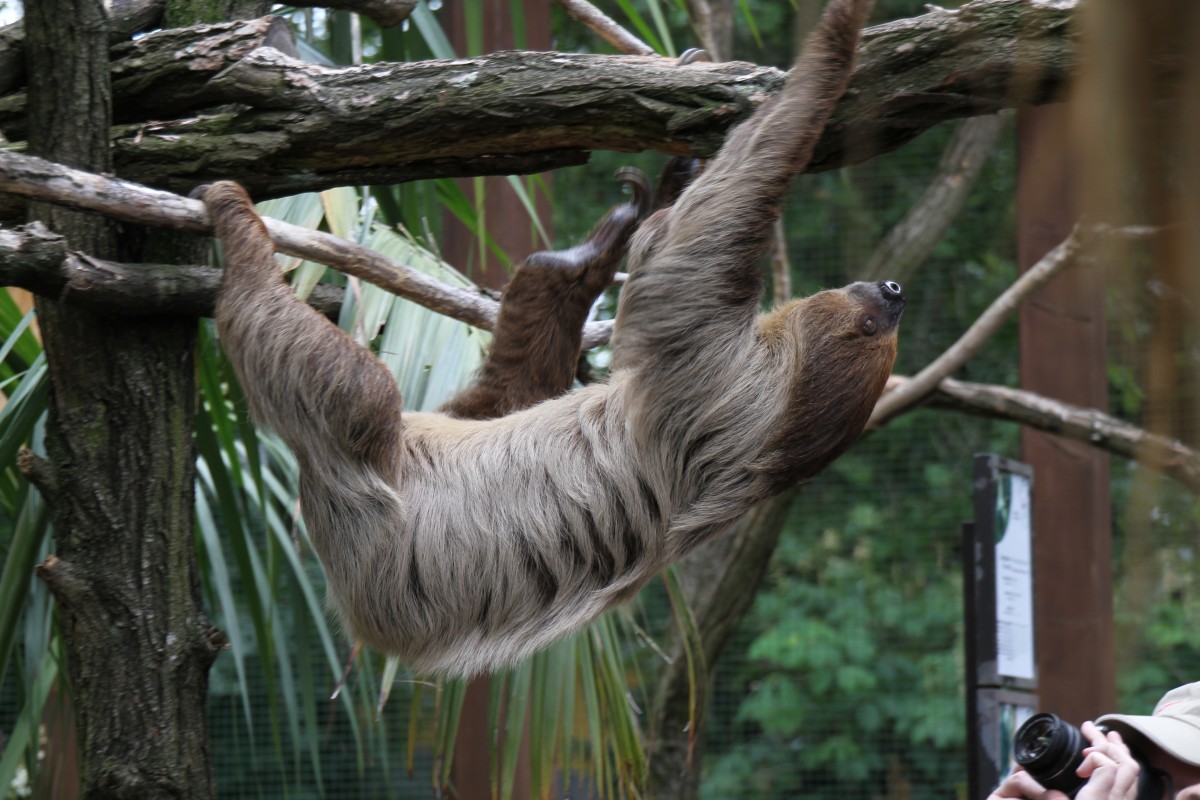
{"x": 1014, "y": 581}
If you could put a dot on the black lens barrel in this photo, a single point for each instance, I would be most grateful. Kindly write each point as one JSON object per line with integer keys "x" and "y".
{"x": 1051, "y": 750}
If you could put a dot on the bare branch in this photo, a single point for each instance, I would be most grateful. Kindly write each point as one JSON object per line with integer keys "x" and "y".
{"x": 33, "y": 258}
{"x": 1064, "y": 255}
{"x": 1169, "y": 456}
{"x": 911, "y": 241}
{"x": 37, "y": 179}
{"x": 606, "y": 28}
{"x": 912, "y": 391}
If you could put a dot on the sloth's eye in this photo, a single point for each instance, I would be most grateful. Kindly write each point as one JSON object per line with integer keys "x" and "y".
{"x": 868, "y": 326}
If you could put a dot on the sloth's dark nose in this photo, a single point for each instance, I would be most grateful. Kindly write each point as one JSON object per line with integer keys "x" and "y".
{"x": 891, "y": 290}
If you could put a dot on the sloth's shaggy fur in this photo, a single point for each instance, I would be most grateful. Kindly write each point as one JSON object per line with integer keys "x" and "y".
{"x": 464, "y": 545}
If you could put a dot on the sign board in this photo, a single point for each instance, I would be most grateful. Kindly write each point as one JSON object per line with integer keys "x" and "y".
{"x": 1001, "y": 662}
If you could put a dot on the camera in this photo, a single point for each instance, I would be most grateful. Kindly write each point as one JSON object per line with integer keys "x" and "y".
{"x": 1051, "y": 750}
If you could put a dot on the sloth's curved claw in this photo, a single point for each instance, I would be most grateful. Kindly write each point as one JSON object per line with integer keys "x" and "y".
{"x": 693, "y": 55}
{"x": 639, "y": 187}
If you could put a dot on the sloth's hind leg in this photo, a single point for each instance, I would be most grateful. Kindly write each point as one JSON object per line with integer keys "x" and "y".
{"x": 536, "y": 341}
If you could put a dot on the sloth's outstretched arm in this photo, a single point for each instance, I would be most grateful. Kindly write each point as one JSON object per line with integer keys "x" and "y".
{"x": 536, "y": 342}
{"x": 695, "y": 278}
{"x": 304, "y": 378}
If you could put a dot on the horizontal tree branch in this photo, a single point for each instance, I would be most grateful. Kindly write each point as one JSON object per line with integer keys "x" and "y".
{"x": 36, "y": 179}
{"x": 1169, "y": 456}
{"x": 302, "y": 126}
{"x": 37, "y": 259}
{"x": 126, "y": 17}
{"x": 298, "y": 126}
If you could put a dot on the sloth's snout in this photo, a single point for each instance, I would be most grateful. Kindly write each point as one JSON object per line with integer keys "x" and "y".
{"x": 893, "y": 301}
{"x": 891, "y": 291}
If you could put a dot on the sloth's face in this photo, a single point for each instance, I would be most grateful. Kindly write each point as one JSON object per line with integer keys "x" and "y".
{"x": 845, "y": 344}
{"x": 881, "y": 305}
{"x": 837, "y": 348}
{"x": 836, "y": 325}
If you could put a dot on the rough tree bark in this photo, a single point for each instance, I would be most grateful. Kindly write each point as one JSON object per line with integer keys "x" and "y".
{"x": 301, "y": 127}
{"x": 120, "y": 470}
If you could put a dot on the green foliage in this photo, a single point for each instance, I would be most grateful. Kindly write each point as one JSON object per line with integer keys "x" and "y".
{"x": 853, "y": 673}
{"x": 1156, "y": 558}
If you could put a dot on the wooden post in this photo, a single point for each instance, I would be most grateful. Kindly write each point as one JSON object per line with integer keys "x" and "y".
{"x": 1063, "y": 355}
{"x": 506, "y": 219}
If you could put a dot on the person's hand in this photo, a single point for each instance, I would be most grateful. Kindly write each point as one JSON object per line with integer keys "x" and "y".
{"x": 1108, "y": 765}
{"x": 1020, "y": 785}
{"x": 1110, "y": 768}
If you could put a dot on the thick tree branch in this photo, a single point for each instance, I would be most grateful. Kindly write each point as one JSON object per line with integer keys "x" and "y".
{"x": 37, "y": 179}
{"x": 309, "y": 127}
{"x": 169, "y": 70}
{"x": 985, "y": 56}
{"x": 300, "y": 126}
{"x": 125, "y": 18}
{"x": 1170, "y": 456}
{"x": 36, "y": 259}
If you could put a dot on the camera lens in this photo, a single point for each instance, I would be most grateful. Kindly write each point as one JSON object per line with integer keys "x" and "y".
{"x": 1050, "y": 750}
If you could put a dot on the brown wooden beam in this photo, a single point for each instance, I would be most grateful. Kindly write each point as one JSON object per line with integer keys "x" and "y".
{"x": 1063, "y": 355}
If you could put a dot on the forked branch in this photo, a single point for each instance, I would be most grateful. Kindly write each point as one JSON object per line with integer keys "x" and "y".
{"x": 916, "y": 389}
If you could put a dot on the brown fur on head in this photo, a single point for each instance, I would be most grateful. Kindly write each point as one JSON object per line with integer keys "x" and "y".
{"x": 842, "y": 343}
{"x": 465, "y": 544}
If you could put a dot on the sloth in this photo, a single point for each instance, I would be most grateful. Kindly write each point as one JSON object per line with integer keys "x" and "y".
{"x": 465, "y": 540}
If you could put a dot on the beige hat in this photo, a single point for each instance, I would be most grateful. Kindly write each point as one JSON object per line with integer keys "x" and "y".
{"x": 1175, "y": 726}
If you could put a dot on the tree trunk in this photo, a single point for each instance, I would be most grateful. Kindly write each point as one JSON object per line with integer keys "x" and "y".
{"x": 120, "y": 472}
